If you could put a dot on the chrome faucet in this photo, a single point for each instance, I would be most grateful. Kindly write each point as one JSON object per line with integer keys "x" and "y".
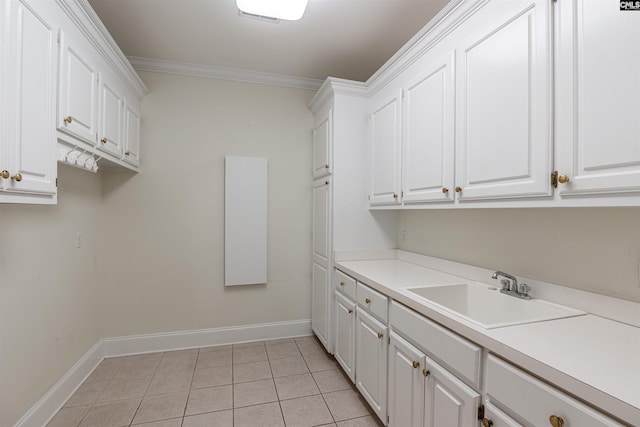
{"x": 510, "y": 285}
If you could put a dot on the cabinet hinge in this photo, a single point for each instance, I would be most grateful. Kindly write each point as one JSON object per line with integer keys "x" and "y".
{"x": 481, "y": 412}
{"x": 56, "y": 182}
{"x": 554, "y": 179}
{"x": 58, "y": 37}
{"x": 368, "y": 196}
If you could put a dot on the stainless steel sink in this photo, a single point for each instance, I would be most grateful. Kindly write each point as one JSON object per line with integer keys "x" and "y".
{"x": 488, "y": 308}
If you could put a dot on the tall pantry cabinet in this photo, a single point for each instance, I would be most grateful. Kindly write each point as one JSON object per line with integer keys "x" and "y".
{"x": 341, "y": 218}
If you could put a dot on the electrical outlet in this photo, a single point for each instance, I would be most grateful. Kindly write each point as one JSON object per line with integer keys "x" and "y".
{"x": 78, "y": 239}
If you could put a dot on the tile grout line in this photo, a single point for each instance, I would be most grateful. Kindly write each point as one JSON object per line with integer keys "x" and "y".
{"x": 186, "y": 403}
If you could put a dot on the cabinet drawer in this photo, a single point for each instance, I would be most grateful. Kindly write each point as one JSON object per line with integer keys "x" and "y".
{"x": 345, "y": 284}
{"x": 498, "y": 418}
{"x": 534, "y": 401}
{"x": 374, "y": 302}
{"x": 459, "y": 354}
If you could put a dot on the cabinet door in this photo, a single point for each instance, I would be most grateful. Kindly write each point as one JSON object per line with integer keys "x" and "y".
{"x": 371, "y": 362}
{"x": 30, "y": 142}
{"x": 322, "y": 293}
{"x": 598, "y": 92}
{"x": 448, "y": 401}
{"x": 111, "y": 117}
{"x": 345, "y": 345}
{"x": 131, "y": 134}
{"x": 406, "y": 384}
{"x": 321, "y": 212}
{"x": 504, "y": 96}
{"x": 428, "y": 138}
{"x": 320, "y": 303}
{"x": 77, "y": 113}
{"x": 385, "y": 133}
{"x": 322, "y": 146}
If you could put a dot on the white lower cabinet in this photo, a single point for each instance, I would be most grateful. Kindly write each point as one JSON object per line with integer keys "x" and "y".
{"x": 423, "y": 393}
{"x": 414, "y": 372}
{"x": 448, "y": 401}
{"x": 406, "y": 383}
{"x": 345, "y": 337}
{"x": 371, "y": 361}
{"x": 535, "y": 402}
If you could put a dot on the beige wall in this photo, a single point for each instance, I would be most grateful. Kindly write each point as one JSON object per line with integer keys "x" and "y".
{"x": 163, "y": 228}
{"x": 594, "y": 249}
{"x": 48, "y": 290}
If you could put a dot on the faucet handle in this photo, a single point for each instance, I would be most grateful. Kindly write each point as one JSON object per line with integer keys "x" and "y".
{"x": 506, "y": 284}
{"x": 524, "y": 289}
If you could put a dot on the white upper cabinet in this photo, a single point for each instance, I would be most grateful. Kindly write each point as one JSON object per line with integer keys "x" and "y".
{"x": 598, "y": 98}
{"x": 78, "y": 91}
{"x": 504, "y": 99}
{"x": 385, "y": 134}
{"x": 322, "y": 146}
{"x": 428, "y": 136}
{"x": 98, "y": 101}
{"x": 131, "y": 134}
{"x": 111, "y": 109}
{"x": 27, "y": 136}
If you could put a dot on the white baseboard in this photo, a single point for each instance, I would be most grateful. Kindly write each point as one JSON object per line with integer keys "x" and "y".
{"x": 42, "y": 412}
{"x": 150, "y": 343}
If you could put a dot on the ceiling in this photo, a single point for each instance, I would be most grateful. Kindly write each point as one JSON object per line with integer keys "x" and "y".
{"x": 349, "y": 39}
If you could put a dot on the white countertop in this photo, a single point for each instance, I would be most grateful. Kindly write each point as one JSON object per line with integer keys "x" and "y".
{"x": 593, "y": 358}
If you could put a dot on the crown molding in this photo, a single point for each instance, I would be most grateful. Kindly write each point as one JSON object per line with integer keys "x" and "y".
{"x": 333, "y": 86}
{"x": 224, "y": 73}
{"x": 440, "y": 26}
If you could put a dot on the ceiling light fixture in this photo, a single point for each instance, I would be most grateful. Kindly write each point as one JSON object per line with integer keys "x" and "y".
{"x": 291, "y": 10}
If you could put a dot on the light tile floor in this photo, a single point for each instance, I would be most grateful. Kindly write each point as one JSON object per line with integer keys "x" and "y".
{"x": 290, "y": 382}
